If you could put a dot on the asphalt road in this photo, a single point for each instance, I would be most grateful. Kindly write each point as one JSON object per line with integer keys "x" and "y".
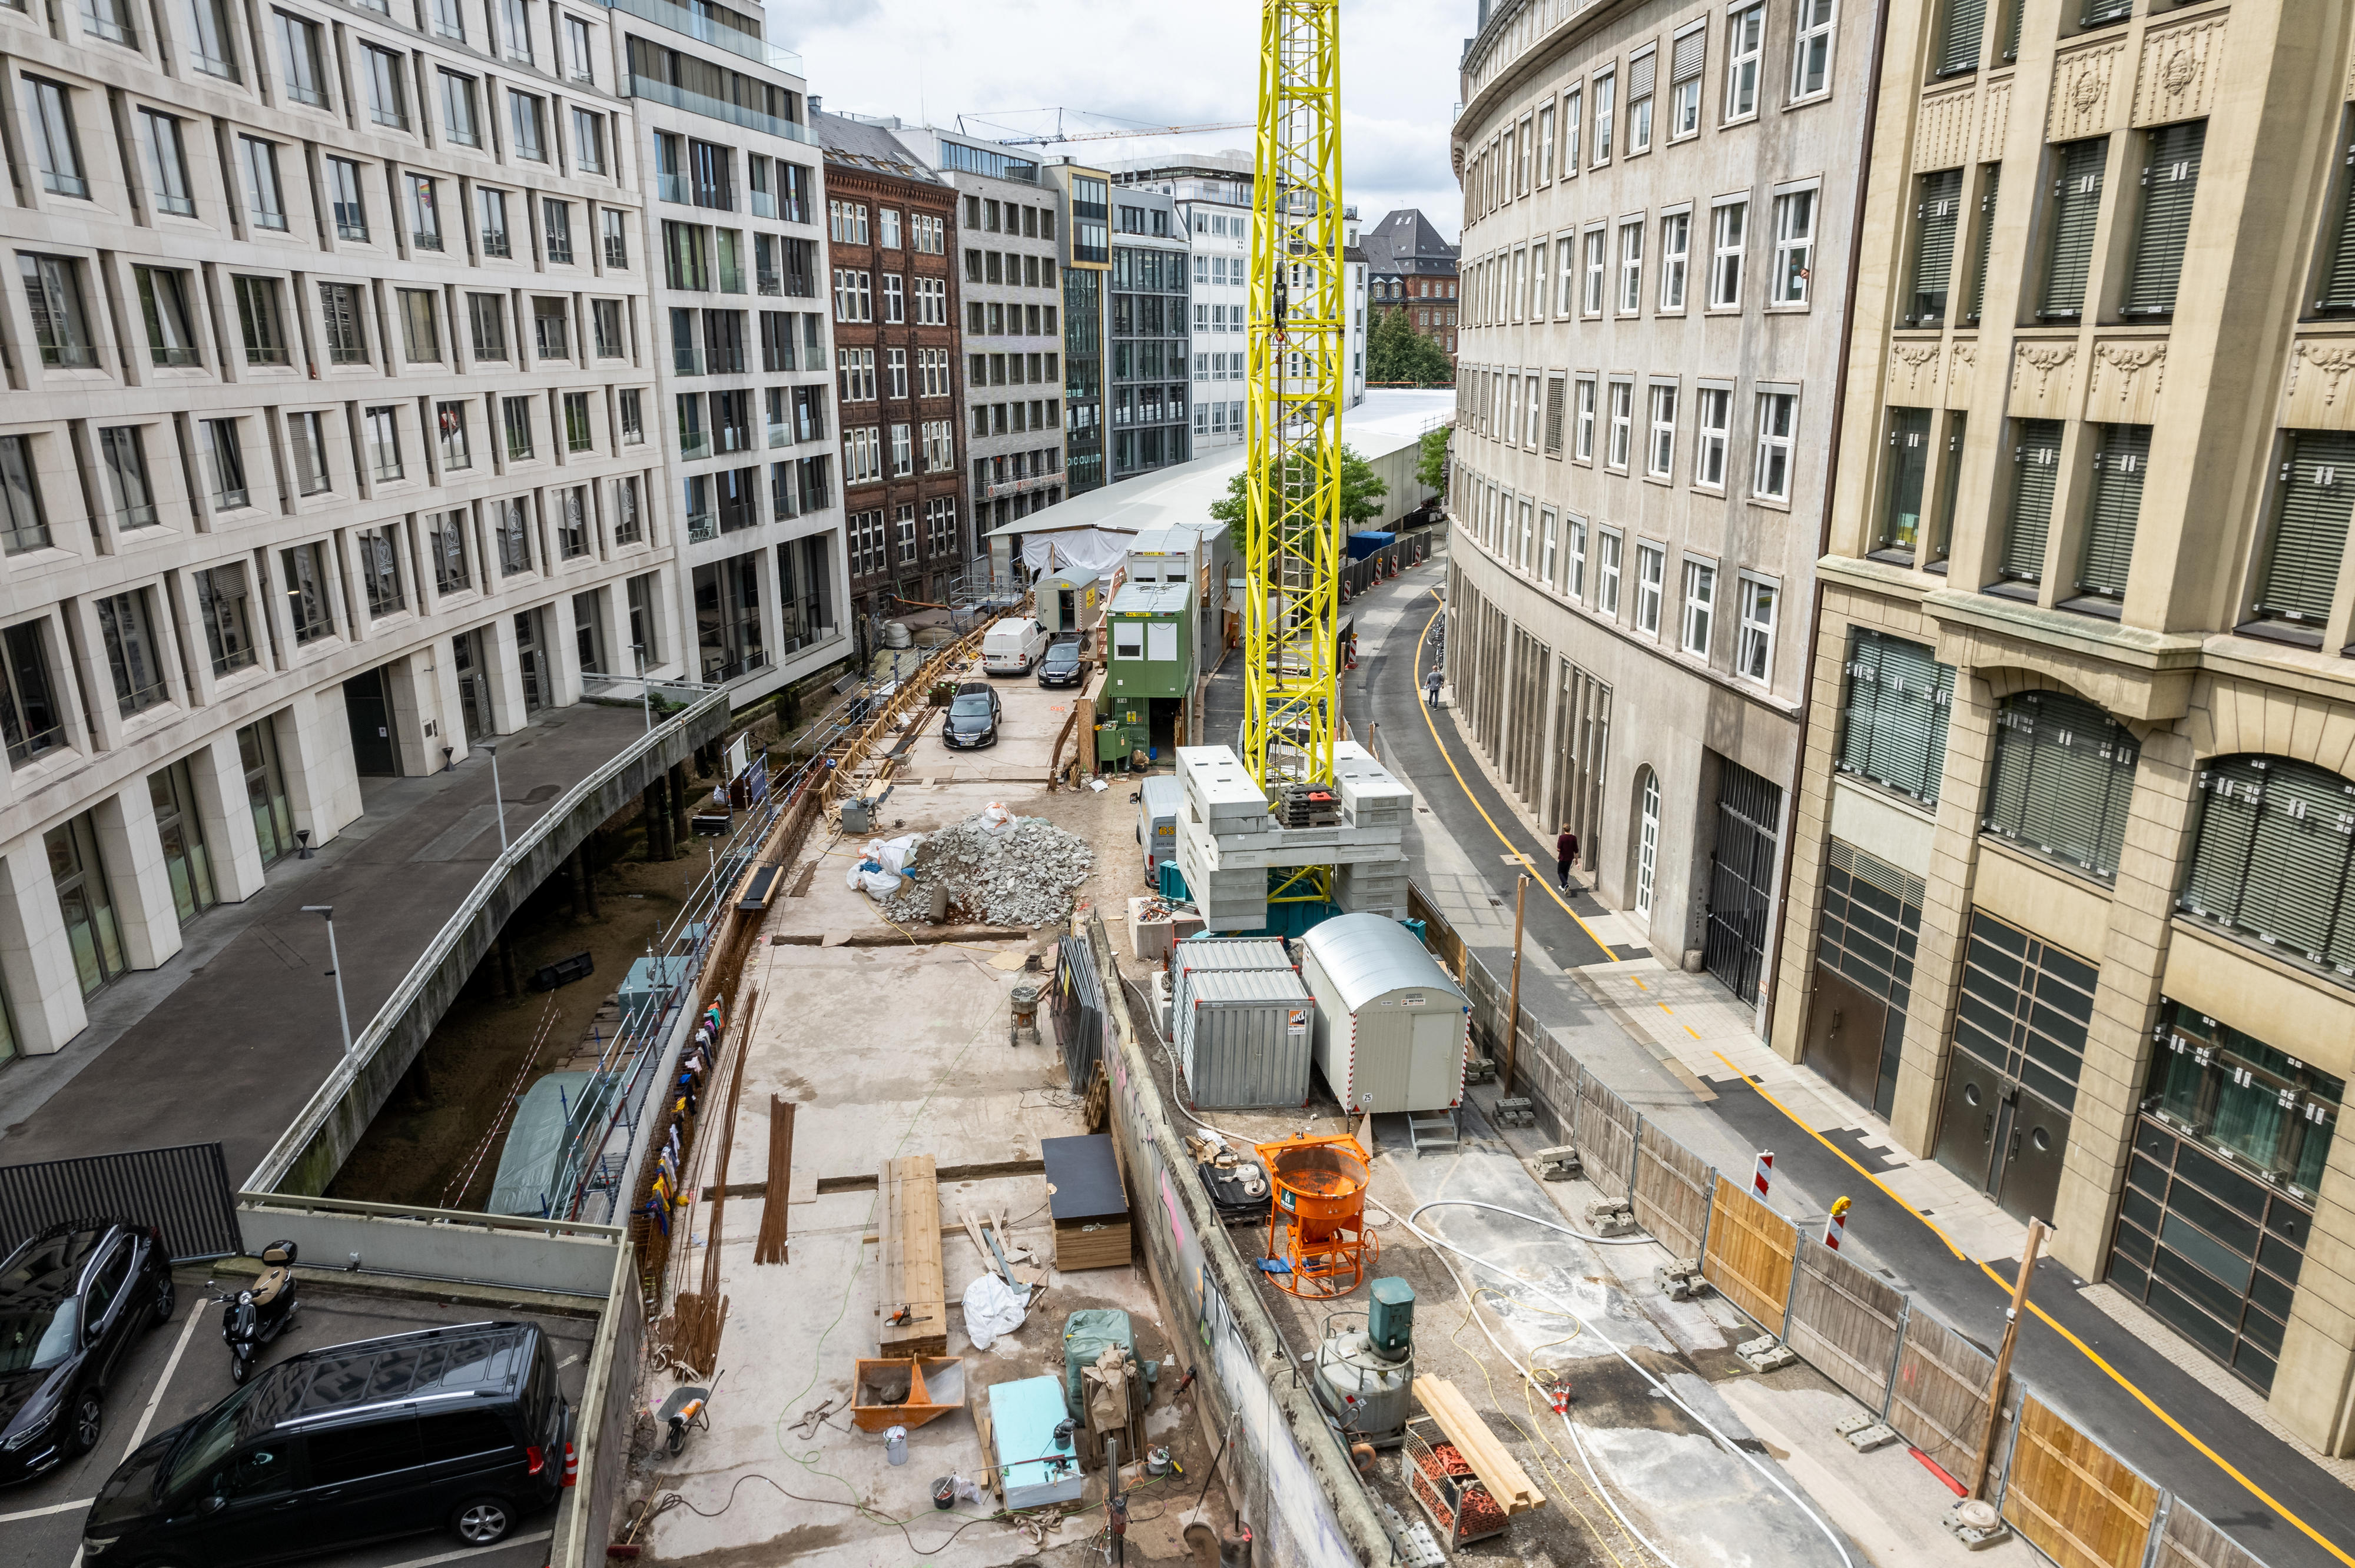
{"x": 182, "y": 1368}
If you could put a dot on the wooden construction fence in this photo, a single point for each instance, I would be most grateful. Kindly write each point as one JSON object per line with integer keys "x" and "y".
{"x": 1846, "y": 1322}
{"x": 1749, "y": 1256}
{"x": 1606, "y": 1135}
{"x": 2188, "y": 1541}
{"x": 1671, "y": 1191}
{"x": 2075, "y": 1502}
{"x": 1938, "y": 1400}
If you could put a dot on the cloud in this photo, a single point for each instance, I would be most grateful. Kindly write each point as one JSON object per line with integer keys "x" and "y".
{"x": 1002, "y": 62}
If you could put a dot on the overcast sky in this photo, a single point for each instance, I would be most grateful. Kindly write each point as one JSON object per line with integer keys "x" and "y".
{"x": 1190, "y": 62}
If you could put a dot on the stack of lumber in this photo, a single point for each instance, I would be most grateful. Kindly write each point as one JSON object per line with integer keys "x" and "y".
{"x": 909, "y": 1234}
{"x": 1507, "y": 1482}
{"x": 1088, "y": 1201}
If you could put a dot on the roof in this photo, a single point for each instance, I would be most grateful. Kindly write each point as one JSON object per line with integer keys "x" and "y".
{"x": 1367, "y": 957}
{"x": 462, "y": 1361}
{"x": 855, "y": 144}
{"x": 1405, "y": 241}
{"x": 1152, "y": 599}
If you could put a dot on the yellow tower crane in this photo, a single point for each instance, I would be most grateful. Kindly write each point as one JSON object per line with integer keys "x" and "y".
{"x": 1298, "y": 346}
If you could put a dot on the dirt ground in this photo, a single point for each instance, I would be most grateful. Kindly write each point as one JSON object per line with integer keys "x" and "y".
{"x": 422, "y": 1143}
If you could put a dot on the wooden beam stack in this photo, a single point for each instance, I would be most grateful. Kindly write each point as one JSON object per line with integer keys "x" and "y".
{"x": 910, "y": 1232}
{"x": 1498, "y": 1470}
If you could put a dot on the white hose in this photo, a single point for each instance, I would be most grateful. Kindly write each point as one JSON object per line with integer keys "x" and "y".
{"x": 1662, "y": 1389}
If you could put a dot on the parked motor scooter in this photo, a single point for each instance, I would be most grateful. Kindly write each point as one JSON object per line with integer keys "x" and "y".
{"x": 254, "y": 1316}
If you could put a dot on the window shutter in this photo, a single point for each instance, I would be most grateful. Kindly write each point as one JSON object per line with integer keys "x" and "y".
{"x": 2011, "y": 29}
{"x": 1553, "y": 415}
{"x": 2220, "y": 851}
{"x": 2118, "y": 502}
{"x": 2169, "y": 182}
{"x": 2101, "y": 12}
{"x": 1965, "y": 22}
{"x": 1933, "y": 256}
{"x": 1690, "y": 50}
{"x": 2038, "y": 460}
{"x": 2338, "y": 283}
{"x": 2273, "y": 853}
{"x": 1987, "y": 233}
{"x": 2310, "y": 533}
{"x": 1639, "y": 75}
{"x": 1894, "y": 730}
{"x": 2063, "y": 775}
{"x": 2076, "y": 207}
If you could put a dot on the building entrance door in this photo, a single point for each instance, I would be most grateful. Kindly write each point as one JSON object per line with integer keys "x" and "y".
{"x": 372, "y": 721}
{"x": 1742, "y": 878}
{"x": 533, "y": 660}
{"x": 1846, "y": 1026}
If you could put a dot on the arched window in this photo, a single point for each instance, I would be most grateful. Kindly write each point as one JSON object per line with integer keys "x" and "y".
{"x": 2270, "y": 858}
{"x": 2063, "y": 777}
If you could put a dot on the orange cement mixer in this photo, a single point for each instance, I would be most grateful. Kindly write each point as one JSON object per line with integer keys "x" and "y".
{"x": 1319, "y": 1211}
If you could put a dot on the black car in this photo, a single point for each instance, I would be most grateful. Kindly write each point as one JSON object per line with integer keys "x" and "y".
{"x": 1061, "y": 666}
{"x": 972, "y": 717}
{"x": 460, "y": 1427}
{"x": 71, "y": 1301}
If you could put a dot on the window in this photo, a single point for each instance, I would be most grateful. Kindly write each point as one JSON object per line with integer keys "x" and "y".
{"x": 1712, "y": 427}
{"x": 628, "y": 529}
{"x": 1676, "y": 249}
{"x": 1640, "y": 72}
{"x": 514, "y": 417}
{"x": 551, "y": 327}
{"x": 2115, "y": 504}
{"x": 2036, "y": 463}
{"x": 229, "y": 627}
{"x": 124, "y": 454}
{"x": 381, "y": 427}
{"x": 298, "y": 54}
{"x": 2300, "y": 570}
{"x": 1754, "y": 655}
{"x": 633, "y": 419}
{"x": 208, "y": 39}
{"x": 523, "y": 118}
{"x": 588, "y": 142}
{"x": 606, "y": 323}
{"x": 1660, "y": 453}
{"x": 164, "y": 302}
{"x": 130, "y": 651}
{"x": 1745, "y": 31}
{"x": 578, "y": 435}
{"x": 306, "y": 444}
{"x": 344, "y": 197}
{"x": 1651, "y": 566}
{"x": 1545, "y": 147}
{"x": 421, "y": 329}
{"x": 1991, "y": 176}
{"x": 514, "y": 26}
{"x": 450, "y": 427}
{"x": 1592, "y": 303}
{"x": 1795, "y": 246}
{"x": 258, "y": 161}
{"x": 1909, "y": 467}
{"x": 30, "y": 719}
{"x": 1959, "y": 44}
{"x": 1777, "y": 411}
{"x": 1584, "y": 449}
{"x": 1935, "y": 213}
{"x": 379, "y": 568}
{"x": 53, "y": 297}
{"x": 1623, "y": 421}
{"x": 424, "y": 214}
{"x": 2169, "y": 178}
{"x": 305, "y": 568}
{"x": 2063, "y": 775}
{"x": 449, "y": 20}
{"x": 1811, "y": 51}
{"x": 579, "y": 51}
{"x": 1893, "y": 713}
{"x": 486, "y": 320}
{"x": 491, "y": 219}
{"x": 895, "y": 309}
{"x": 1684, "y": 80}
{"x": 511, "y": 528}
{"x": 459, "y": 122}
{"x": 2268, "y": 860}
{"x": 1728, "y": 223}
{"x": 853, "y": 295}
{"x": 445, "y": 542}
{"x": 572, "y": 523}
{"x": 1631, "y": 267}
{"x": 343, "y": 313}
{"x": 617, "y": 243}
{"x": 108, "y": 19}
{"x": 259, "y": 321}
{"x": 1605, "y": 86}
{"x": 887, "y": 228}
{"x": 381, "y": 77}
{"x": 56, "y": 148}
{"x": 1577, "y": 583}
{"x": 1553, "y": 399}
{"x": 2076, "y": 208}
{"x": 164, "y": 151}
{"x": 1700, "y": 603}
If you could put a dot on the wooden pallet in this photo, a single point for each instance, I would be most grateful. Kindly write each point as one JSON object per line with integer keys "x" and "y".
{"x": 910, "y": 1232}
{"x": 1498, "y": 1470}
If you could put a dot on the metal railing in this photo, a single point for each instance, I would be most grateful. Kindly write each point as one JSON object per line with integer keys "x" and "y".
{"x": 321, "y": 1107}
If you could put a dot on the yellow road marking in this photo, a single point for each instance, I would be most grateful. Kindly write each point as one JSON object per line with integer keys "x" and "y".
{"x": 1691, "y": 1031}
{"x": 2087, "y": 1350}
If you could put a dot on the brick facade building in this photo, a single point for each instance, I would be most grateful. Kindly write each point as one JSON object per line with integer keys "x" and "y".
{"x": 891, "y": 231}
{"x": 1410, "y": 268}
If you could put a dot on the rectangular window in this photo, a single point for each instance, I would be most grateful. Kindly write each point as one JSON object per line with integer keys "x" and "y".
{"x": 306, "y": 443}
{"x": 124, "y": 456}
{"x": 53, "y": 297}
{"x": 2036, "y": 464}
{"x": 1937, "y": 213}
{"x": 491, "y": 219}
{"x": 1990, "y": 179}
{"x": 1675, "y": 249}
{"x": 229, "y": 625}
{"x": 164, "y": 151}
{"x": 1640, "y": 74}
{"x": 449, "y": 19}
{"x": 1631, "y": 267}
{"x": 1753, "y": 654}
{"x": 211, "y": 43}
{"x": 555, "y": 223}
{"x": 579, "y": 436}
{"x": 605, "y": 320}
{"x": 164, "y": 302}
{"x": 1777, "y": 414}
{"x": 1811, "y": 51}
{"x": 511, "y": 528}
{"x": 445, "y": 541}
{"x": 1909, "y": 467}
{"x": 524, "y": 111}
{"x": 1960, "y": 35}
{"x": 1608, "y": 545}
{"x": 1592, "y": 304}
{"x": 1553, "y": 431}
{"x": 1660, "y": 454}
{"x": 579, "y": 51}
{"x": 1729, "y": 221}
{"x": 451, "y": 424}
{"x": 424, "y": 213}
{"x": 258, "y": 161}
{"x": 588, "y": 142}
{"x": 1700, "y": 606}
{"x": 1545, "y": 146}
{"x": 572, "y": 523}
{"x": 1746, "y": 34}
{"x": 298, "y": 54}
{"x": 261, "y": 320}
{"x": 617, "y": 243}
{"x": 2063, "y": 775}
{"x": 2076, "y": 209}
{"x": 1584, "y": 449}
{"x": 379, "y": 567}
{"x": 1651, "y": 568}
{"x": 2115, "y": 505}
{"x": 344, "y": 200}
{"x": 1623, "y": 423}
{"x": 1577, "y": 583}
{"x": 1795, "y": 246}
{"x": 2302, "y": 559}
{"x": 56, "y": 147}
{"x": 306, "y": 567}
{"x": 30, "y": 718}
{"x": 420, "y": 326}
{"x": 514, "y": 417}
{"x": 381, "y": 427}
{"x": 380, "y": 78}
{"x": 108, "y": 19}
{"x": 486, "y": 320}
{"x": 1684, "y": 80}
{"x": 1605, "y": 116}
{"x": 631, "y": 402}
{"x": 459, "y": 122}
{"x": 130, "y": 658}
{"x": 2169, "y": 178}
{"x": 1893, "y": 713}
{"x": 1712, "y": 435}
{"x": 628, "y": 529}
{"x": 343, "y": 315}
{"x": 514, "y": 29}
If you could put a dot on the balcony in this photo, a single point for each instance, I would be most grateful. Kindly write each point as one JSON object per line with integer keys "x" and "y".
{"x": 764, "y": 205}
{"x": 648, "y": 87}
{"x": 680, "y": 19}
{"x": 780, "y": 434}
{"x": 674, "y": 188}
{"x": 702, "y": 526}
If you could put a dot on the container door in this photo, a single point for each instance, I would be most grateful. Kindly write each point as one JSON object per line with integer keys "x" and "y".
{"x": 1436, "y": 1077}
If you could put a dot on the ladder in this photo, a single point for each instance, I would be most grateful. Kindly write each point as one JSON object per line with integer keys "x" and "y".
{"x": 1432, "y": 1130}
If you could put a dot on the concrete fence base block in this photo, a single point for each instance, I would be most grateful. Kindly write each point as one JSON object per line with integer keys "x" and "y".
{"x": 1559, "y": 1163}
{"x": 1864, "y": 1433}
{"x": 1767, "y": 1353}
{"x": 1609, "y": 1220}
{"x": 1679, "y": 1280}
{"x": 1976, "y": 1524}
{"x": 1516, "y": 1112}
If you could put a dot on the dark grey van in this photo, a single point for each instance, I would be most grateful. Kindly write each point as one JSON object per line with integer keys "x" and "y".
{"x": 462, "y": 1429}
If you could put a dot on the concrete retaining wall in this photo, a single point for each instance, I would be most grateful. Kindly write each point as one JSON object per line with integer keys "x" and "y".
{"x": 488, "y": 1249}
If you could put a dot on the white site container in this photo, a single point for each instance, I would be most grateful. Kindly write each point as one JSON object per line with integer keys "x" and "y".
{"x": 1391, "y": 1027}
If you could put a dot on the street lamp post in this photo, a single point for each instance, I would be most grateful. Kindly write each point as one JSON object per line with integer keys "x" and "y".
{"x": 498, "y": 799}
{"x": 335, "y": 970}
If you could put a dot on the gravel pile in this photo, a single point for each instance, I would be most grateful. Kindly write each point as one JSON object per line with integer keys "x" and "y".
{"x": 1022, "y": 878}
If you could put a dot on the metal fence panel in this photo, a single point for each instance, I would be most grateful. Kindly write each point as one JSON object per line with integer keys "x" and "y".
{"x": 2075, "y": 1502}
{"x": 1671, "y": 1194}
{"x": 183, "y": 1191}
{"x": 1940, "y": 1401}
{"x": 1605, "y": 1136}
{"x": 1846, "y": 1322}
{"x": 1749, "y": 1256}
{"x": 2188, "y": 1541}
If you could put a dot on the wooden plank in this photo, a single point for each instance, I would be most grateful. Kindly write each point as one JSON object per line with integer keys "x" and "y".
{"x": 910, "y": 1209}
{"x": 1497, "y": 1469}
{"x": 2079, "y": 1504}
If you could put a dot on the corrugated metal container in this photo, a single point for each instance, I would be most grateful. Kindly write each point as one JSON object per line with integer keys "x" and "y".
{"x": 1391, "y": 1027}
{"x": 1245, "y": 1038}
{"x": 1197, "y": 953}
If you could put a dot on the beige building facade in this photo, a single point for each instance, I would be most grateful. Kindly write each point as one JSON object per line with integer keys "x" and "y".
{"x": 2071, "y": 900}
{"x": 1659, "y": 203}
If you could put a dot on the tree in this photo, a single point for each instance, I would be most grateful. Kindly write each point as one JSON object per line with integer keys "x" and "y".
{"x": 1431, "y": 466}
{"x": 1396, "y": 351}
{"x": 1361, "y": 498}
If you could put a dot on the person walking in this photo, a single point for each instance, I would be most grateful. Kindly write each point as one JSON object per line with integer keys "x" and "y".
{"x": 1565, "y": 855}
{"x": 1430, "y": 681}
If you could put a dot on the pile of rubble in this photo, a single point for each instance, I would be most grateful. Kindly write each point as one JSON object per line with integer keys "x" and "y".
{"x": 998, "y": 870}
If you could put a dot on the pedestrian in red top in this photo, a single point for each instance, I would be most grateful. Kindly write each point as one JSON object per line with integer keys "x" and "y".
{"x": 1565, "y": 855}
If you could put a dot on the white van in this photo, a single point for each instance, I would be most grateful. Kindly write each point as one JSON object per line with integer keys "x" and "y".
{"x": 1013, "y": 646}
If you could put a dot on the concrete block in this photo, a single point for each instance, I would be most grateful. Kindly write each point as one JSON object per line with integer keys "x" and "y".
{"x": 1559, "y": 1163}
{"x": 1609, "y": 1219}
{"x": 1864, "y": 1433}
{"x": 1767, "y": 1353}
{"x": 1976, "y": 1524}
